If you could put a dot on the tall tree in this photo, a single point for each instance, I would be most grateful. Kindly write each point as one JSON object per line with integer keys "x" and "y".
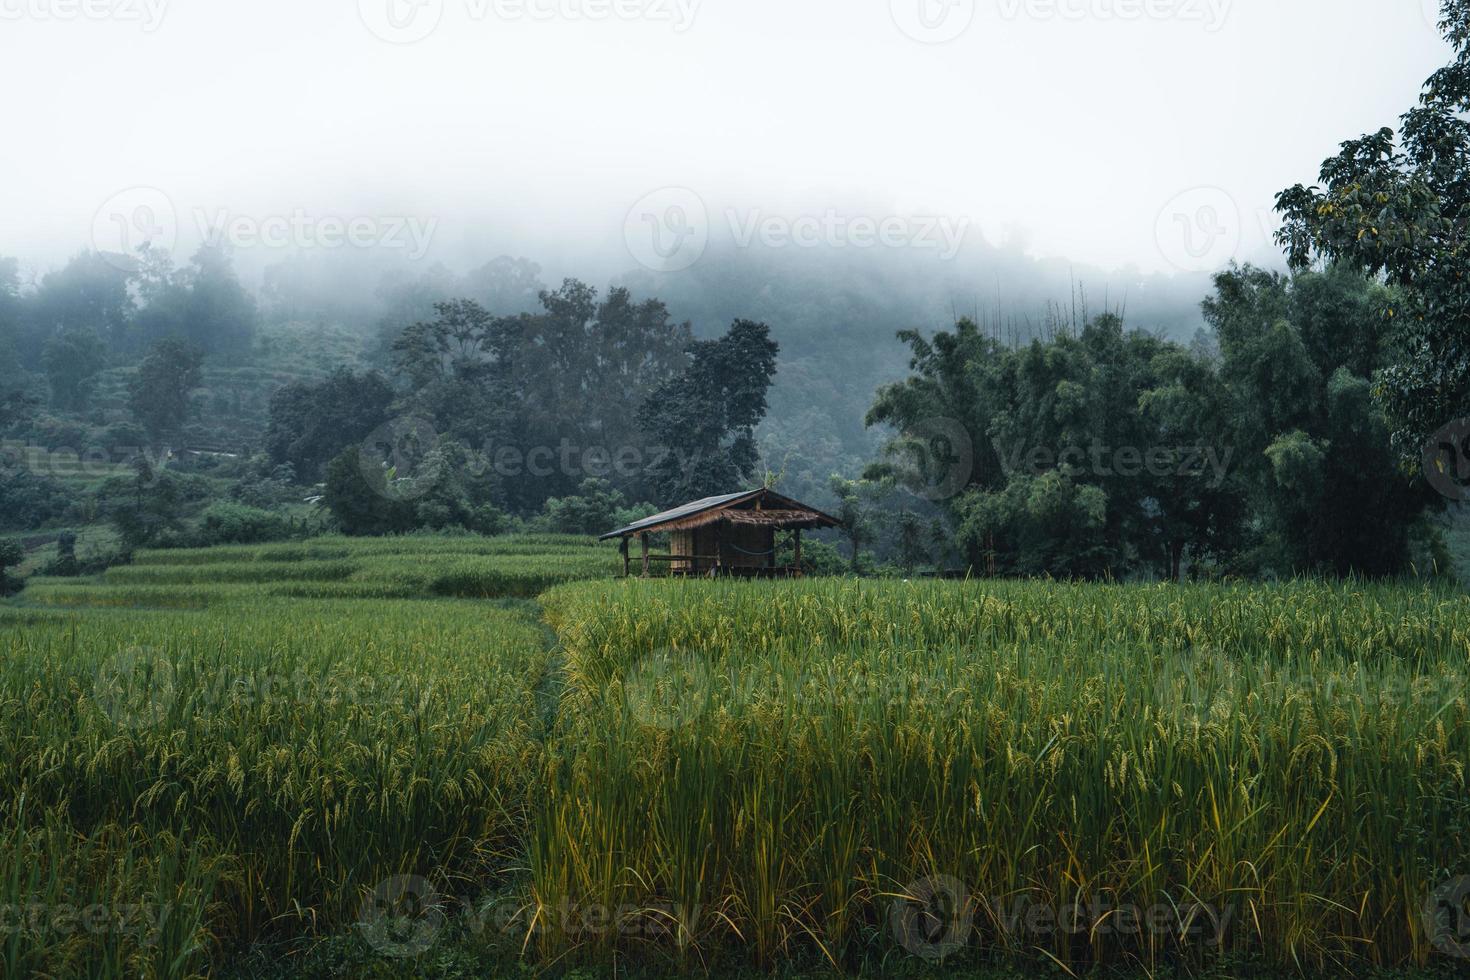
{"x": 567, "y": 381}
{"x": 584, "y": 368}
{"x": 203, "y": 303}
{"x": 459, "y": 367}
{"x": 160, "y": 395}
{"x": 1397, "y": 205}
{"x": 1313, "y": 448}
{"x": 707, "y": 414}
{"x": 73, "y": 359}
{"x": 88, "y": 293}
{"x": 1082, "y": 455}
{"x": 311, "y": 423}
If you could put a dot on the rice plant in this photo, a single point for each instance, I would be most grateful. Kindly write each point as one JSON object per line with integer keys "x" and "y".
{"x": 778, "y": 772}
{"x": 1265, "y": 770}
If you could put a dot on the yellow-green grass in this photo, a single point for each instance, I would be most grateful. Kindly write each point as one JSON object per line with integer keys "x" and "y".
{"x": 252, "y": 770}
{"x": 1281, "y": 768}
{"x": 324, "y": 568}
{"x": 428, "y": 546}
{"x": 774, "y": 769}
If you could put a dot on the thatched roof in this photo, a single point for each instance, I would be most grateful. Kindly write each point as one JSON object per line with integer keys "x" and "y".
{"x": 763, "y": 508}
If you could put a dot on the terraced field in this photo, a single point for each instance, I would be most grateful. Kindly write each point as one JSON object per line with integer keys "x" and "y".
{"x": 339, "y": 568}
{"x": 212, "y": 760}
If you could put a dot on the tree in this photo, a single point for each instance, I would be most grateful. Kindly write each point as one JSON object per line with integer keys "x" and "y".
{"x": 1397, "y": 206}
{"x": 855, "y": 513}
{"x": 73, "y": 359}
{"x": 1077, "y": 456}
{"x": 203, "y": 303}
{"x": 1313, "y": 448}
{"x": 358, "y": 497}
{"x": 568, "y": 380}
{"x": 505, "y": 286}
{"x": 707, "y": 414}
{"x": 89, "y": 293}
{"x": 312, "y": 423}
{"x": 11, "y": 554}
{"x": 15, "y": 408}
{"x": 586, "y": 366}
{"x": 412, "y": 486}
{"x": 29, "y": 500}
{"x": 459, "y": 366}
{"x": 595, "y": 509}
{"x": 912, "y": 540}
{"x": 160, "y": 394}
{"x": 149, "y": 504}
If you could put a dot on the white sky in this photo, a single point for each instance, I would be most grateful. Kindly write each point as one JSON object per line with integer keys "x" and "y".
{"x": 1062, "y": 123}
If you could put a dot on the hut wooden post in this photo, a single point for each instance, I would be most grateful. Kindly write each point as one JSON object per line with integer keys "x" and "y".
{"x": 623, "y": 548}
{"x": 797, "y": 548}
{"x": 644, "y": 538}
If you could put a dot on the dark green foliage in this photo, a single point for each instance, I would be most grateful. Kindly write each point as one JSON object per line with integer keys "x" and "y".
{"x": 441, "y": 487}
{"x": 66, "y": 556}
{"x": 1398, "y": 205}
{"x": 1105, "y": 453}
{"x": 230, "y": 523}
{"x": 709, "y": 413}
{"x": 1096, "y": 453}
{"x": 29, "y": 500}
{"x": 89, "y": 293}
{"x": 582, "y": 369}
{"x": 357, "y": 495}
{"x": 856, "y": 510}
{"x": 159, "y": 395}
{"x": 312, "y": 423}
{"x": 72, "y": 359}
{"x": 595, "y": 509}
{"x": 1314, "y": 449}
{"x": 561, "y": 385}
{"x": 203, "y": 303}
{"x": 11, "y": 554}
{"x": 149, "y": 505}
{"x": 265, "y": 485}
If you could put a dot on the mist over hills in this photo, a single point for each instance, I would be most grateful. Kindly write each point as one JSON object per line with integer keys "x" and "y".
{"x": 834, "y": 311}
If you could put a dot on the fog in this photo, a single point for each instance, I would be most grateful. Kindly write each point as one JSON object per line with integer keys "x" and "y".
{"x": 606, "y": 137}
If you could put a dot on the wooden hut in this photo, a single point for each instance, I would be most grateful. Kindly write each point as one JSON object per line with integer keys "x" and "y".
{"x": 733, "y": 534}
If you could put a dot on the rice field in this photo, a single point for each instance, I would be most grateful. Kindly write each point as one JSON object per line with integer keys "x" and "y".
{"x": 253, "y": 769}
{"x": 339, "y": 568}
{"x": 1272, "y": 773}
{"x": 212, "y": 751}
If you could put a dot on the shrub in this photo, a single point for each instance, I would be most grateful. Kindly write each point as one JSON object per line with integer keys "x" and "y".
{"x": 227, "y": 523}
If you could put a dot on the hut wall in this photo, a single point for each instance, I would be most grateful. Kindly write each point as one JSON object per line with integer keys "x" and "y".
{"x": 682, "y": 543}
{"x": 749, "y": 545}
{"x": 707, "y": 546}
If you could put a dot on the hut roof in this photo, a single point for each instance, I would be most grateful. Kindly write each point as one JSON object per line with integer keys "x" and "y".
{"x": 759, "y": 507}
